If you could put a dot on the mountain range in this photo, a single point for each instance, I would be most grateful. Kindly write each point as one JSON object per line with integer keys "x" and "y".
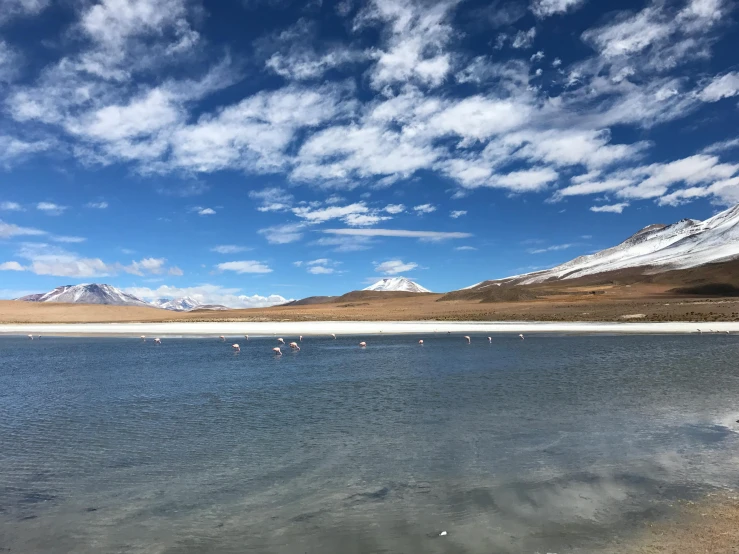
{"x": 94, "y": 293}
{"x": 657, "y": 250}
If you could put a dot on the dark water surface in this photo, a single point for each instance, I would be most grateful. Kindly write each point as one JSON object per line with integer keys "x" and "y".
{"x": 552, "y": 444}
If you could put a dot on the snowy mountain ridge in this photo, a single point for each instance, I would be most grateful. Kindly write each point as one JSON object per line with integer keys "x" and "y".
{"x": 687, "y": 243}
{"x": 87, "y": 293}
{"x": 184, "y": 304}
{"x": 396, "y": 284}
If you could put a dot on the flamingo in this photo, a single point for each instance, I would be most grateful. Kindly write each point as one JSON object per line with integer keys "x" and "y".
{"x": 521, "y": 335}
{"x": 294, "y": 346}
{"x": 246, "y": 337}
{"x": 236, "y": 347}
{"x": 30, "y": 337}
{"x": 300, "y": 338}
{"x": 281, "y": 341}
{"x": 490, "y": 339}
{"x": 363, "y": 344}
{"x": 333, "y": 336}
{"x": 143, "y": 338}
{"x": 277, "y": 351}
{"x": 468, "y": 339}
{"x": 223, "y": 339}
{"x": 157, "y": 341}
{"x": 420, "y": 342}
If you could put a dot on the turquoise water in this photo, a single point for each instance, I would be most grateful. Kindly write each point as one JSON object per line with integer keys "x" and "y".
{"x": 552, "y": 444}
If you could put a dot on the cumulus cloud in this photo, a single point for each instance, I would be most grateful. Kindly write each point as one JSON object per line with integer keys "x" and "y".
{"x": 97, "y": 205}
{"x": 721, "y": 87}
{"x": 11, "y": 266}
{"x": 50, "y": 208}
{"x": 423, "y": 235}
{"x": 209, "y": 294}
{"x": 203, "y": 211}
{"x": 553, "y": 248}
{"x": 11, "y": 207}
{"x": 46, "y": 259}
{"x": 394, "y": 267}
{"x": 229, "y": 249}
{"x": 546, "y": 8}
{"x": 424, "y": 208}
{"x": 611, "y": 208}
{"x": 457, "y": 214}
{"x": 245, "y": 266}
{"x": 394, "y": 209}
{"x": 9, "y": 230}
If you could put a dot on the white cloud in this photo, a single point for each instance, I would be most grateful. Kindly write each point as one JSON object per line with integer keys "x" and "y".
{"x": 50, "y": 208}
{"x": 10, "y": 9}
{"x": 209, "y": 294}
{"x": 8, "y": 230}
{"x": 11, "y": 266}
{"x": 554, "y": 248}
{"x": 345, "y": 243}
{"x": 67, "y": 239}
{"x": 546, "y": 8}
{"x": 524, "y": 39}
{"x": 147, "y": 265}
{"x": 465, "y": 248}
{"x": 424, "y": 208}
{"x": 229, "y": 249}
{"x": 272, "y": 199}
{"x": 394, "y": 209}
{"x": 457, "y": 214}
{"x": 424, "y": 235}
{"x": 97, "y": 205}
{"x": 11, "y": 207}
{"x": 612, "y": 208}
{"x": 175, "y": 271}
{"x": 283, "y": 234}
{"x": 721, "y": 87}
{"x": 393, "y": 267}
{"x": 527, "y": 180}
{"x": 245, "y": 266}
{"x": 416, "y": 36}
{"x": 204, "y": 211}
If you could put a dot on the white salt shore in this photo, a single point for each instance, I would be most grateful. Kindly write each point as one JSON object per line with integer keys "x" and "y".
{"x": 357, "y": 328}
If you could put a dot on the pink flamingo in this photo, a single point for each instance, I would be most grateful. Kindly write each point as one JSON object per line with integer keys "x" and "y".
{"x": 300, "y": 338}
{"x": 277, "y": 351}
{"x": 468, "y": 339}
{"x": 157, "y": 341}
{"x": 30, "y": 337}
{"x": 143, "y": 338}
{"x": 333, "y": 336}
{"x": 223, "y": 339}
{"x": 294, "y": 346}
{"x": 420, "y": 342}
{"x": 281, "y": 341}
{"x": 236, "y": 347}
{"x": 521, "y": 335}
{"x": 246, "y": 337}
{"x": 490, "y": 339}
{"x": 363, "y": 344}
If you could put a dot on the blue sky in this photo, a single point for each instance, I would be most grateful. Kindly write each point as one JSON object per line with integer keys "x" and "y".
{"x": 252, "y": 150}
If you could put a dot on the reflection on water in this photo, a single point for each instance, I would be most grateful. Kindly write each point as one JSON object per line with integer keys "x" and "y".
{"x": 551, "y": 444}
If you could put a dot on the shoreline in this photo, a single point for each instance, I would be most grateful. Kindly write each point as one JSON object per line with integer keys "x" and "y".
{"x": 320, "y": 328}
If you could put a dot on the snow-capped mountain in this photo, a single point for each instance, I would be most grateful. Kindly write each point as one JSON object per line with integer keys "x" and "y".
{"x": 87, "y": 294}
{"x": 396, "y": 284}
{"x": 687, "y": 243}
{"x": 184, "y": 304}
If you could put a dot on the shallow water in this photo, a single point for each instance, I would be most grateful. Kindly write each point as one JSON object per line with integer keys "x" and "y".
{"x": 552, "y": 444}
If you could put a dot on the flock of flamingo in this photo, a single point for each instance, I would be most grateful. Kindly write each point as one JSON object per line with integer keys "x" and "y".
{"x": 236, "y": 347}
{"x": 295, "y": 347}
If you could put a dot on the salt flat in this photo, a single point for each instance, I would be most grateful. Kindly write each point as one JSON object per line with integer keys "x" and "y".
{"x": 317, "y": 328}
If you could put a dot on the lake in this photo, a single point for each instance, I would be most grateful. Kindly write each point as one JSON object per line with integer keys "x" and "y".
{"x": 549, "y": 444}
